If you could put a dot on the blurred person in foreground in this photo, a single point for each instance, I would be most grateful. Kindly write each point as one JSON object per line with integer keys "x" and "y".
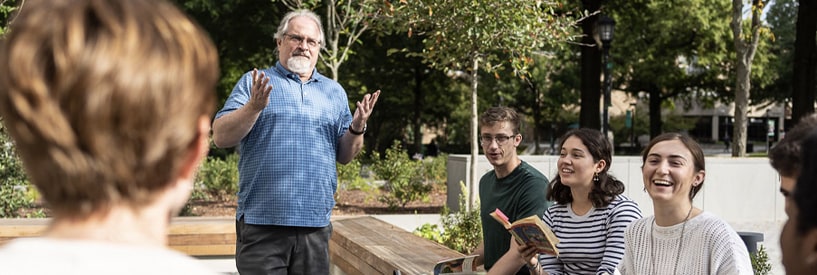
{"x": 798, "y": 239}
{"x": 109, "y": 104}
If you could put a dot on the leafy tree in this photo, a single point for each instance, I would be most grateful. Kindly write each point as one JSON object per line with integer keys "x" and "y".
{"x": 745, "y": 48}
{"x": 780, "y": 52}
{"x": 414, "y": 94}
{"x": 466, "y": 36}
{"x": 666, "y": 52}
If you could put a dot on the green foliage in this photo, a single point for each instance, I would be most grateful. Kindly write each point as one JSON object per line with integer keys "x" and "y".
{"x": 430, "y": 232}
{"x": 547, "y": 96}
{"x": 498, "y": 32}
{"x": 404, "y": 177}
{"x": 7, "y": 8}
{"x": 622, "y": 134}
{"x": 434, "y": 169}
{"x": 760, "y": 261}
{"x": 349, "y": 178}
{"x": 466, "y": 37}
{"x": 461, "y": 231}
{"x": 218, "y": 177}
{"x": 349, "y": 175}
{"x": 242, "y": 31}
{"x": 15, "y": 191}
{"x": 779, "y": 52}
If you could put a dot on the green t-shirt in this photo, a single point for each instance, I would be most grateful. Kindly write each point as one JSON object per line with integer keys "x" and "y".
{"x": 518, "y": 195}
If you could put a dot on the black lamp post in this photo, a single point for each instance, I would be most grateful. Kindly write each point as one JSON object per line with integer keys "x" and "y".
{"x": 632, "y": 124}
{"x": 606, "y": 27}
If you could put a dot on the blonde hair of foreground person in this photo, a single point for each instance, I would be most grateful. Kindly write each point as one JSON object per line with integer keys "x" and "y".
{"x": 109, "y": 105}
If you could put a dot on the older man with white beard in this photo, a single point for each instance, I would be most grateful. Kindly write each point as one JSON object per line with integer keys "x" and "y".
{"x": 292, "y": 125}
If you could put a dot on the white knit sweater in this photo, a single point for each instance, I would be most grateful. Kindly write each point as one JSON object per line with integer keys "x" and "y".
{"x": 710, "y": 246}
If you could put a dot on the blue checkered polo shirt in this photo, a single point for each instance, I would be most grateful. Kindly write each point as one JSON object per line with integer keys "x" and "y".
{"x": 287, "y": 173}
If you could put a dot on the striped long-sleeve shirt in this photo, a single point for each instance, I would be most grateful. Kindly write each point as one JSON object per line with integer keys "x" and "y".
{"x": 592, "y": 243}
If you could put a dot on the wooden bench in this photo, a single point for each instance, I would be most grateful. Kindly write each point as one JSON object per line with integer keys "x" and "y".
{"x": 367, "y": 245}
{"x": 195, "y": 236}
{"x": 359, "y": 245}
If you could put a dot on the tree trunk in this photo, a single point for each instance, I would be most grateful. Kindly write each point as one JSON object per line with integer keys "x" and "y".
{"x": 537, "y": 119}
{"x": 532, "y": 87}
{"x": 419, "y": 102}
{"x": 742, "y": 85}
{"x": 655, "y": 111}
{"x": 745, "y": 52}
{"x": 589, "y": 114}
{"x": 472, "y": 188}
{"x": 804, "y": 79}
{"x": 333, "y": 35}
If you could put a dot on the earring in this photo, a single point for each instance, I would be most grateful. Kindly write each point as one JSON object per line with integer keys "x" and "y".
{"x": 596, "y": 177}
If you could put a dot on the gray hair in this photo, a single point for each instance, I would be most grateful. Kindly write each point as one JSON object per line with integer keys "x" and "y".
{"x": 284, "y": 26}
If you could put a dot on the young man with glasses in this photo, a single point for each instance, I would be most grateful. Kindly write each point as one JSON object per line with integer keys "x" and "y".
{"x": 514, "y": 186}
{"x": 286, "y": 184}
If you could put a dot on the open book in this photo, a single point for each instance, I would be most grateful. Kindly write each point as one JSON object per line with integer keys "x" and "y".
{"x": 459, "y": 265}
{"x": 531, "y": 231}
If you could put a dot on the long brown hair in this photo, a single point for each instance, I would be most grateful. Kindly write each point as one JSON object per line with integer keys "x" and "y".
{"x": 606, "y": 188}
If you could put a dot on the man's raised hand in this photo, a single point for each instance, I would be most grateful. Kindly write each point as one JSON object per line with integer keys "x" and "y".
{"x": 364, "y": 110}
{"x": 259, "y": 96}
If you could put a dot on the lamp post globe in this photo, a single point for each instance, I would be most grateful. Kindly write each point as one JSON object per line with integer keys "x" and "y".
{"x": 607, "y": 27}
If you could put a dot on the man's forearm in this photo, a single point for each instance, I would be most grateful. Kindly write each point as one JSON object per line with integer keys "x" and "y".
{"x": 350, "y": 146}
{"x": 229, "y": 129}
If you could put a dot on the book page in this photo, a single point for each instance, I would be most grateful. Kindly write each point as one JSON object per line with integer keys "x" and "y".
{"x": 461, "y": 265}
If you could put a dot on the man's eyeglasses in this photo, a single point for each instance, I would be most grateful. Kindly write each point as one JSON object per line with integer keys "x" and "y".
{"x": 500, "y": 139}
{"x": 297, "y": 40}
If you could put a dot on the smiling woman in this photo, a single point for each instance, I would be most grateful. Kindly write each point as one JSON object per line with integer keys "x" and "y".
{"x": 590, "y": 213}
{"x": 680, "y": 236}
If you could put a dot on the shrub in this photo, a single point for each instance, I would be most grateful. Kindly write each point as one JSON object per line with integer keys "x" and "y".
{"x": 15, "y": 191}
{"x": 218, "y": 177}
{"x": 404, "y": 177}
{"x": 435, "y": 170}
{"x": 461, "y": 231}
{"x": 760, "y": 261}
{"x": 349, "y": 175}
{"x": 430, "y": 232}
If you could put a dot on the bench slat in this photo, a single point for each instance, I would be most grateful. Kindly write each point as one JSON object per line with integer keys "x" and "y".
{"x": 383, "y": 247}
{"x": 195, "y": 236}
